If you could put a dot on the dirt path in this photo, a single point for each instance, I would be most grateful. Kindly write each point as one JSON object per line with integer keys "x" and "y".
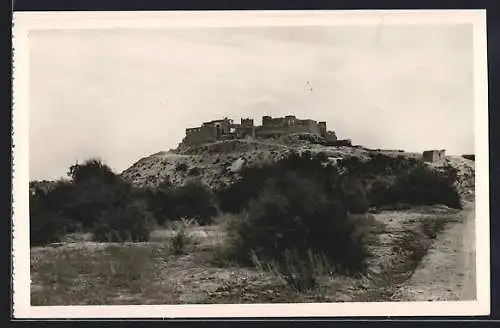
{"x": 447, "y": 272}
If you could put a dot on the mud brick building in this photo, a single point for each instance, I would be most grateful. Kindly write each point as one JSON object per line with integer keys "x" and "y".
{"x": 226, "y": 129}
{"x": 433, "y": 155}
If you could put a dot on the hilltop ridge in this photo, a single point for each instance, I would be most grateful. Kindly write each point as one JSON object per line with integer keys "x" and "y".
{"x": 217, "y": 164}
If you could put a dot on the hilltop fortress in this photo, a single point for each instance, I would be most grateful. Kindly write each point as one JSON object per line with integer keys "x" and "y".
{"x": 226, "y": 129}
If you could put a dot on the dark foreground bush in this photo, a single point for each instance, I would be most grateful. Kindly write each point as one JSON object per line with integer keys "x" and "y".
{"x": 237, "y": 196}
{"x": 292, "y": 218}
{"x": 94, "y": 200}
{"x": 194, "y": 200}
{"x": 401, "y": 180}
{"x": 129, "y": 221}
{"x": 45, "y": 226}
{"x": 48, "y": 223}
{"x": 424, "y": 186}
{"x": 162, "y": 201}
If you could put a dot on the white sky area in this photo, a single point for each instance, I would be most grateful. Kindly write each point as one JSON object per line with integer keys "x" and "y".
{"x": 124, "y": 94}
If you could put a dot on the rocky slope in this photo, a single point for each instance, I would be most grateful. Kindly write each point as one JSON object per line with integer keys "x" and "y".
{"x": 217, "y": 164}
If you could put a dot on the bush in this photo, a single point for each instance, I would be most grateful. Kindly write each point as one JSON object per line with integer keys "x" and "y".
{"x": 130, "y": 221}
{"x": 162, "y": 201}
{"x": 399, "y": 180}
{"x": 95, "y": 200}
{"x": 354, "y": 196}
{"x": 92, "y": 171}
{"x": 181, "y": 167}
{"x": 48, "y": 223}
{"x": 192, "y": 200}
{"x": 423, "y": 186}
{"x": 45, "y": 226}
{"x": 181, "y": 237}
{"x": 195, "y": 200}
{"x": 379, "y": 191}
{"x": 294, "y": 215}
{"x": 94, "y": 188}
{"x": 194, "y": 171}
{"x": 237, "y": 196}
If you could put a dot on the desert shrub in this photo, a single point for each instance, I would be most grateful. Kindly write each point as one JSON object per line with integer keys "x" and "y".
{"x": 424, "y": 186}
{"x": 181, "y": 236}
{"x": 45, "y": 226}
{"x": 48, "y": 223}
{"x": 95, "y": 200}
{"x": 292, "y": 217}
{"x": 88, "y": 201}
{"x": 195, "y": 200}
{"x": 128, "y": 221}
{"x": 94, "y": 189}
{"x": 399, "y": 180}
{"x": 379, "y": 165}
{"x": 237, "y": 196}
{"x": 379, "y": 191}
{"x": 162, "y": 201}
{"x": 192, "y": 200}
{"x": 181, "y": 167}
{"x": 354, "y": 195}
{"x": 92, "y": 170}
{"x": 194, "y": 171}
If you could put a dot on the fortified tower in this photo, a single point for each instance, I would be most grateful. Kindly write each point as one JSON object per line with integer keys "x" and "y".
{"x": 266, "y": 120}
{"x": 247, "y": 122}
{"x": 322, "y": 128}
{"x": 290, "y": 120}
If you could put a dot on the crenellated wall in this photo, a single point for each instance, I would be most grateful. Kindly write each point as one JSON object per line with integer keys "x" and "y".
{"x": 271, "y": 127}
{"x": 203, "y": 134}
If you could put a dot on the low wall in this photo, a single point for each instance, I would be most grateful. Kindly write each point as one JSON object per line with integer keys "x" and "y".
{"x": 203, "y": 135}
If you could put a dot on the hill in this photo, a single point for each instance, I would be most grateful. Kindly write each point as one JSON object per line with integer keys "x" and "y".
{"x": 217, "y": 164}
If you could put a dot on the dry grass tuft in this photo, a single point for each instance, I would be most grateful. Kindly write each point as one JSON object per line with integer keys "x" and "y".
{"x": 181, "y": 238}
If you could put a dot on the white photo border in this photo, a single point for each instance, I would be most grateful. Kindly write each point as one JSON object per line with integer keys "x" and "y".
{"x": 24, "y": 22}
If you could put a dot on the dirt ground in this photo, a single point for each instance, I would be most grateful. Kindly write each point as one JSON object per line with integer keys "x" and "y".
{"x": 84, "y": 273}
{"x": 447, "y": 272}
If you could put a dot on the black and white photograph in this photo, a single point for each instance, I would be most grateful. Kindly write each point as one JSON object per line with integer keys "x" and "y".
{"x": 211, "y": 164}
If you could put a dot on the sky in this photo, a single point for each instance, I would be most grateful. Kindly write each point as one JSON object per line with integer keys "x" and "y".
{"x": 124, "y": 94}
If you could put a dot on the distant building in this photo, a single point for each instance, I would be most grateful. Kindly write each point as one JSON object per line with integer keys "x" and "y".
{"x": 226, "y": 129}
{"x": 433, "y": 155}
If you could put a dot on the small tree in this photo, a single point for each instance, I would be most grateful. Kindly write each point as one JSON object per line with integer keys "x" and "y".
{"x": 195, "y": 200}
{"x": 95, "y": 188}
{"x": 92, "y": 171}
{"x": 129, "y": 221}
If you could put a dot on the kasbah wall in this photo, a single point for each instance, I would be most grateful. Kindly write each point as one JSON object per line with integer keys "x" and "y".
{"x": 226, "y": 129}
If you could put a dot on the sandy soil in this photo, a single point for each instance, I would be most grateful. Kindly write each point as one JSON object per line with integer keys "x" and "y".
{"x": 82, "y": 272}
{"x": 447, "y": 272}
